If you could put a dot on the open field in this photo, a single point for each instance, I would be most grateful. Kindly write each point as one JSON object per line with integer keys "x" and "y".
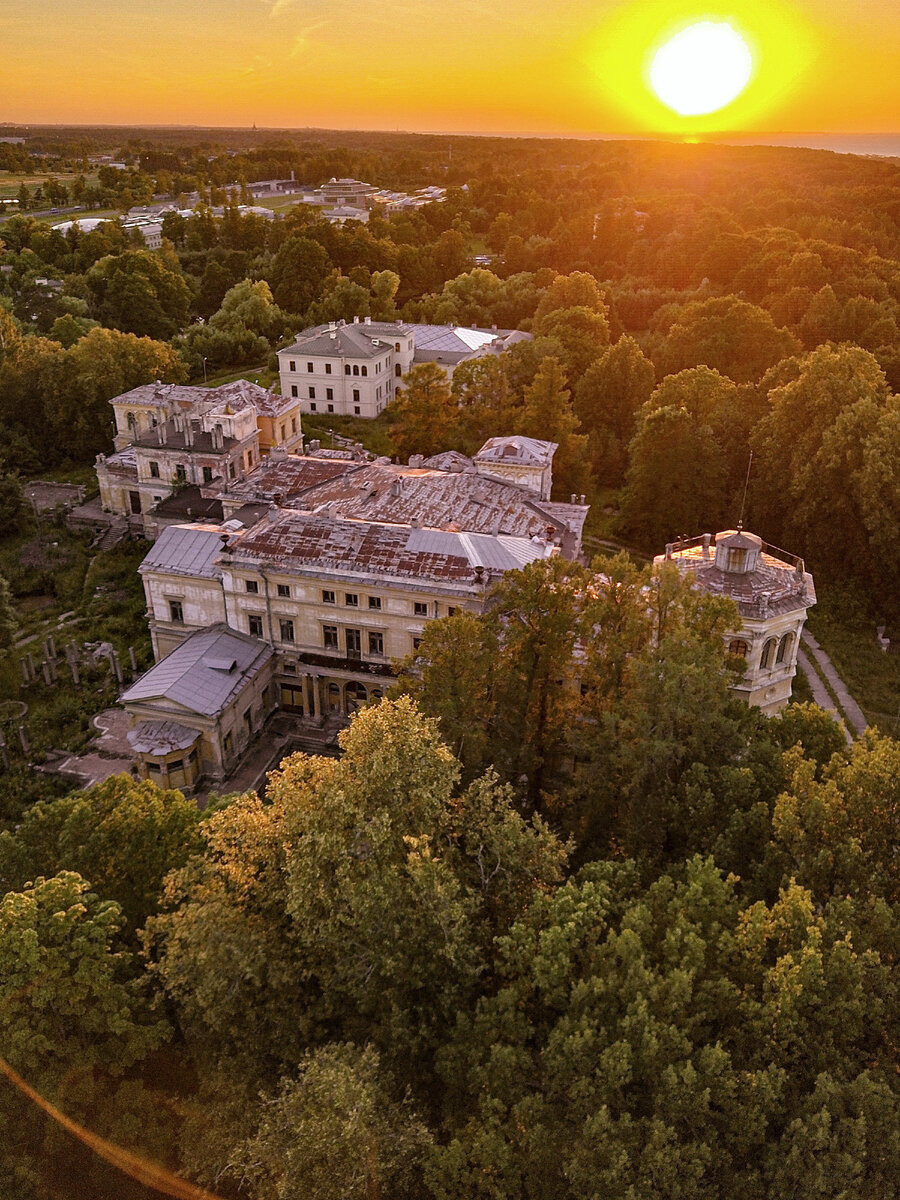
{"x": 11, "y": 181}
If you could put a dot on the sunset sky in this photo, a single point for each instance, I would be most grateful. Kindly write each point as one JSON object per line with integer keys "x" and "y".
{"x": 479, "y": 65}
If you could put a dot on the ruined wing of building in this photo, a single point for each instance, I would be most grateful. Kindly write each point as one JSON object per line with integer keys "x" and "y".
{"x": 337, "y": 564}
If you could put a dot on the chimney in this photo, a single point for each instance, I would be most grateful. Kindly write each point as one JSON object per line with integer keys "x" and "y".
{"x": 573, "y": 498}
{"x": 581, "y": 499}
{"x": 669, "y": 548}
{"x": 707, "y": 538}
{"x": 356, "y": 320}
{"x": 397, "y": 487}
{"x": 367, "y": 320}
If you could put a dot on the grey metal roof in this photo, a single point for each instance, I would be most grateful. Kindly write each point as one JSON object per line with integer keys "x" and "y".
{"x": 205, "y": 672}
{"x": 186, "y": 550}
{"x": 481, "y": 550}
{"x": 347, "y": 341}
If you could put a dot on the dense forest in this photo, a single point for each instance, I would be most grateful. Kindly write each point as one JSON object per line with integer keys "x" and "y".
{"x": 565, "y": 919}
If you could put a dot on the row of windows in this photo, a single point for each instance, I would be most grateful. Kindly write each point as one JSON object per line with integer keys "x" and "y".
{"x": 351, "y": 600}
{"x": 352, "y": 640}
{"x": 773, "y": 653}
{"x": 348, "y": 369}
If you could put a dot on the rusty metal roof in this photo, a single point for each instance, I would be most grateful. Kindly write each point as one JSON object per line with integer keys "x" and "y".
{"x": 434, "y": 499}
{"x": 288, "y": 476}
{"x": 316, "y": 540}
{"x": 775, "y": 587}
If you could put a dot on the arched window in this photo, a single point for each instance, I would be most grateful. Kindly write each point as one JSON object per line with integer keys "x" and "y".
{"x": 355, "y": 369}
{"x": 334, "y": 697}
{"x": 397, "y": 347}
{"x": 768, "y": 654}
{"x": 365, "y": 370}
{"x": 397, "y": 371}
{"x": 346, "y": 368}
{"x": 739, "y": 647}
{"x": 356, "y": 695}
{"x": 784, "y": 648}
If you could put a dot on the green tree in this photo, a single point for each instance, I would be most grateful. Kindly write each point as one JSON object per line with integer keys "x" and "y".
{"x": 122, "y": 835}
{"x": 140, "y": 292}
{"x": 547, "y": 414}
{"x": 675, "y": 480}
{"x": 607, "y": 401}
{"x": 298, "y": 273}
{"x": 425, "y": 414}
{"x": 730, "y": 335}
{"x": 335, "y": 1129}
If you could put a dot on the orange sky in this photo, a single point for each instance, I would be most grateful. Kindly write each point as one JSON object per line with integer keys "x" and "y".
{"x": 481, "y": 65}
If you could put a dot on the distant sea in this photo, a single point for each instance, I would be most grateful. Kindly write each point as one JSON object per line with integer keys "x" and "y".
{"x": 881, "y": 144}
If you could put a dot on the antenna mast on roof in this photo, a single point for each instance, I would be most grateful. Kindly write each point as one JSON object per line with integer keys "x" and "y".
{"x": 740, "y": 523}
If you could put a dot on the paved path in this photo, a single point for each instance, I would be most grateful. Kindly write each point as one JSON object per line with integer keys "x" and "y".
{"x": 820, "y": 691}
{"x": 855, "y": 721}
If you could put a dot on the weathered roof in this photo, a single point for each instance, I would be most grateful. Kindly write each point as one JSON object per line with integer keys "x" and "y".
{"x": 204, "y": 672}
{"x": 776, "y": 586}
{"x": 190, "y": 503}
{"x": 273, "y": 404}
{"x": 457, "y": 340}
{"x": 160, "y": 737}
{"x": 449, "y": 460}
{"x": 315, "y": 540}
{"x": 434, "y": 499}
{"x": 238, "y": 394}
{"x": 123, "y": 463}
{"x": 517, "y": 449}
{"x": 288, "y": 476}
{"x": 186, "y": 550}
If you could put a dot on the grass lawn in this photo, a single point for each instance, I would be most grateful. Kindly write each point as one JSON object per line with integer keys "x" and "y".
{"x": 374, "y": 434}
{"x": 845, "y": 626}
{"x": 255, "y": 374}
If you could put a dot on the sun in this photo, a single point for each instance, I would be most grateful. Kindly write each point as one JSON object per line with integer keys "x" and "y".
{"x": 701, "y": 69}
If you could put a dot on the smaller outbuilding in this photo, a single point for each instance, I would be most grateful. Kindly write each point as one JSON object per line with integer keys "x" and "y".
{"x": 194, "y": 714}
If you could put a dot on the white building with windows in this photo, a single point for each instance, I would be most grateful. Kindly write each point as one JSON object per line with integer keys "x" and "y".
{"x": 354, "y": 368}
{"x": 773, "y": 592}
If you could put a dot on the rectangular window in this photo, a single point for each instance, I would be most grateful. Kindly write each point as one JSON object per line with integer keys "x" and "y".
{"x": 328, "y": 368}
{"x": 354, "y": 642}
{"x": 330, "y": 633}
{"x": 294, "y": 391}
{"x": 207, "y": 475}
{"x": 292, "y": 365}
{"x": 329, "y": 393}
{"x": 356, "y": 409}
{"x": 284, "y": 589}
{"x": 451, "y": 611}
{"x": 327, "y": 597}
{"x": 180, "y": 473}
{"x": 231, "y": 470}
{"x": 351, "y": 600}
{"x": 283, "y": 432}
{"x": 251, "y": 586}
{"x": 416, "y": 642}
{"x": 254, "y": 625}
{"x": 176, "y": 764}
{"x": 331, "y": 408}
{"x": 287, "y": 631}
{"x": 376, "y": 643}
{"x": 420, "y": 608}
{"x": 153, "y": 768}
{"x": 312, "y": 393}
{"x": 356, "y": 395}
{"x": 176, "y": 612}
{"x": 375, "y": 602}
{"x": 154, "y": 470}
{"x": 228, "y": 744}
{"x": 312, "y": 407}
{"x": 293, "y": 424}
{"x": 309, "y": 368}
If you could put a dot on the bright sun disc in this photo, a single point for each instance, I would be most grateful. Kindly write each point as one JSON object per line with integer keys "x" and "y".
{"x": 701, "y": 69}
